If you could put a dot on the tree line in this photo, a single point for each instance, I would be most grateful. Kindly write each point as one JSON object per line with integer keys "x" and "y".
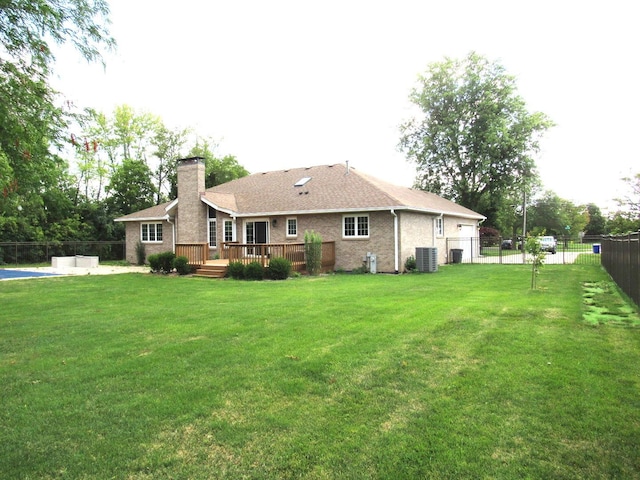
{"x": 66, "y": 173}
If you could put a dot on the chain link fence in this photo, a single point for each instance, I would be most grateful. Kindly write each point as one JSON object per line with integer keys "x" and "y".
{"x": 21, "y": 253}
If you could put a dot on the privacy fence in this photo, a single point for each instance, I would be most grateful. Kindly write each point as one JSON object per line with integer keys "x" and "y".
{"x": 621, "y": 259}
{"x": 19, "y": 253}
{"x": 584, "y": 250}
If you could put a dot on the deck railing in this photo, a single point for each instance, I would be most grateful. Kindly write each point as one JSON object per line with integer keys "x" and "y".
{"x": 294, "y": 252}
{"x": 197, "y": 253}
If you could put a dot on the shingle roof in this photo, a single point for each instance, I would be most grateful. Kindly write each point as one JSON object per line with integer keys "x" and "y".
{"x": 330, "y": 189}
{"x": 159, "y": 212}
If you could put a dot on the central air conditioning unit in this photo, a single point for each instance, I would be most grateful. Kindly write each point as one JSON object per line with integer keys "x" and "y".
{"x": 427, "y": 259}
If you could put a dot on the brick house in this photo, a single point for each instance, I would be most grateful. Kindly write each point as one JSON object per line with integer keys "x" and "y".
{"x": 359, "y": 214}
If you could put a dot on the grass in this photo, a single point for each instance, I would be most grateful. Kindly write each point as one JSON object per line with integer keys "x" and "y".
{"x": 464, "y": 373}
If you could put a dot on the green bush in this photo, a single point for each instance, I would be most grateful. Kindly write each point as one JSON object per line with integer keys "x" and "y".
{"x": 279, "y": 268}
{"x": 313, "y": 252}
{"x": 141, "y": 253}
{"x": 410, "y": 264}
{"x": 154, "y": 262}
{"x": 254, "y": 271}
{"x": 181, "y": 264}
{"x": 235, "y": 270}
{"x": 162, "y": 262}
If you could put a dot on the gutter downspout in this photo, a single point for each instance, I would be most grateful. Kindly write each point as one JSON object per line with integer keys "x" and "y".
{"x": 173, "y": 233}
{"x": 395, "y": 240}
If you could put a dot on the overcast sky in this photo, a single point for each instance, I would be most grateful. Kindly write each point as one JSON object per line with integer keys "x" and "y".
{"x": 285, "y": 84}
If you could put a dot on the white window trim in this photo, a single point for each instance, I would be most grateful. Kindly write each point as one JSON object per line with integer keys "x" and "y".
{"x": 356, "y": 236}
{"x": 233, "y": 229}
{"x": 288, "y": 235}
{"x": 155, "y": 231}
{"x": 213, "y": 221}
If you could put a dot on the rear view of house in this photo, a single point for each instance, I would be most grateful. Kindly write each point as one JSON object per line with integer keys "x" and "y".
{"x": 360, "y": 214}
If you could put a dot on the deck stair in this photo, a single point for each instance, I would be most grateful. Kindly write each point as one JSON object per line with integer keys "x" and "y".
{"x": 213, "y": 269}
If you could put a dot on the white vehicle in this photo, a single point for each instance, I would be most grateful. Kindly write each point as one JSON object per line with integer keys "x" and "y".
{"x": 548, "y": 244}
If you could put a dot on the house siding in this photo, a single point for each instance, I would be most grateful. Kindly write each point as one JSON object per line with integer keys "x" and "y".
{"x": 191, "y": 220}
{"x": 132, "y": 232}
{"x": 417, "y": 230}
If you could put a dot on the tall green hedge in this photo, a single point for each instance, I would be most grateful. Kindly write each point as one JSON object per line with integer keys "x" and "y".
{"x": 313, "y": 252}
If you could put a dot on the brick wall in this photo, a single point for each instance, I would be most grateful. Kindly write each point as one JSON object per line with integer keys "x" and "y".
{"x": 191, "y": 220}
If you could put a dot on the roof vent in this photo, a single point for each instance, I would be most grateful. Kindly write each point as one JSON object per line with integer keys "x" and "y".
{"x": 302, "y": 181}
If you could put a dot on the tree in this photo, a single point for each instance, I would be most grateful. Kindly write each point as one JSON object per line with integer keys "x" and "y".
{"x": 217, "y": 170}
{"x": 631, "y": 201}
{"x": 622, "y": 222}
{"x": 627, "y": 218}
{"x": 130, "y": 188}
{"x": 597, "y": 222}
{"x": 168, "y": 145}
{"x": 475, "y": 141}
{"x": 552, "y": 215}
{"x": 32, "y": 125}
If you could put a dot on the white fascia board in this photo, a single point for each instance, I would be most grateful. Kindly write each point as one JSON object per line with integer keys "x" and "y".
{"x": 171, "y": 206}
{"x": 345, "y": 210}
{"x": 142, "y": 219}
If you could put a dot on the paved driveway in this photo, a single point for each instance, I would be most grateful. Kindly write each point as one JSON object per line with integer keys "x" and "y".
{"x": 550, "y": 259}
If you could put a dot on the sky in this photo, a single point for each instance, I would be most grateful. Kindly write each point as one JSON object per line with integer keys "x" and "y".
{"x": 284, "y": 83}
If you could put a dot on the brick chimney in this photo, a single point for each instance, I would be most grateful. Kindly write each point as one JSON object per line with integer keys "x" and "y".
{"x": 191, "y": 221}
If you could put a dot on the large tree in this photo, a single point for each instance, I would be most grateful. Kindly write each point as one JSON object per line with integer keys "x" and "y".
{"x": 474, "y": 142}
{"x": 32, "y": 121}
{"x": 597, "y": 224}
{"x": 553, "y": 215}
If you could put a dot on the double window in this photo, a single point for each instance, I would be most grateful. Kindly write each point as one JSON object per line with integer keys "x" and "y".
{"x": 151, "y": 232}
{"x": 356, "y": 226}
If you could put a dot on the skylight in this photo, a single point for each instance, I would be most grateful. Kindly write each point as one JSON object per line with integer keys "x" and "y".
{"x": 302, "y": 181}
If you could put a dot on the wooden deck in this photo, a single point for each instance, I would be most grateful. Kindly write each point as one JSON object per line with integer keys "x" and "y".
{"x": 247, "y": 253}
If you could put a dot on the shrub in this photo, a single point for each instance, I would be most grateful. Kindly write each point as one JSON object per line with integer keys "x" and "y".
{"x": 162, "y": 262}
{"x": 279, "y": 268}
{"x": 141, "y": 252}
{"x": 410, "y": 264}
{"x": 254, "y": 271}
{"x": 154, "y": 262}
{"x": 181, "y": 264}
{"x": 235, "y": 270}
{"x": 313, "y": 252}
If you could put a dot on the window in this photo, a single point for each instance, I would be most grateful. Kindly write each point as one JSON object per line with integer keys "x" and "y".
{"x": 355, "y": 226}
{"x": 292, "y": 227}
{"x": 213, "y": 240}
{"x": 438, "y": 226}
{"x": 213, "y": 228}
{"x": 249, "y": 237}
{"x": 228, "y": 231}
{"x": 151, "y": 232}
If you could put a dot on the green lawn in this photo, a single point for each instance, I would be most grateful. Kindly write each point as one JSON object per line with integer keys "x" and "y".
{"x": 464, "y": 373}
